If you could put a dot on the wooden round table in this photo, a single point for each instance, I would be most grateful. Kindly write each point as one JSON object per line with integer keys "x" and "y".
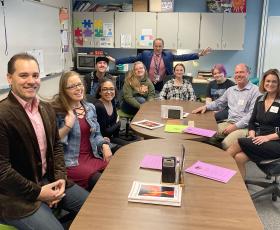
{"x": 206, "y": 204}
{"x": 152, "y": 111}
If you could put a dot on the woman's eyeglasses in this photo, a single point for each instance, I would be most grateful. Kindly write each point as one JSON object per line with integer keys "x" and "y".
{"x": 75, "y": 86}
{"x": 108, "y": 90}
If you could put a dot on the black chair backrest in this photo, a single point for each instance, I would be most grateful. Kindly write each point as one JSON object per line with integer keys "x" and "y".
{"x": 169, "y": 77}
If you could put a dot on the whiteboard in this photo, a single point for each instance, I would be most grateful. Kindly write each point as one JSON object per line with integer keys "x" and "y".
{"x": 272, "y": 46}
{"x": 30, "y": 26}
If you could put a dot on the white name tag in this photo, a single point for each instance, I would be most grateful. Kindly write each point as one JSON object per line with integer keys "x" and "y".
{"x": 274, "y": 109}
{"x": 240, "y": 102}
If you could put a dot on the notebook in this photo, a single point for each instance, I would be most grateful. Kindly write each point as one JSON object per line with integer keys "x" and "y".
{"x": 151, "y": 162}
{"x": 211, "y": 171}
{"x": 200, "y": 131}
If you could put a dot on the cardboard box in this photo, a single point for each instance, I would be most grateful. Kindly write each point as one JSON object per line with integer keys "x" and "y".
{"x": 140, "y": 6}
{"x": 161, "y": 5}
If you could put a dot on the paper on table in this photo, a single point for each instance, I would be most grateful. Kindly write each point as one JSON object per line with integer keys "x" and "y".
{"x": 211, "y": 171}
{"x": 174, "y": 128}
{"x": 152, "y": 162}
{"x": 185, "y": 114}
{"x": 200, "y": 131}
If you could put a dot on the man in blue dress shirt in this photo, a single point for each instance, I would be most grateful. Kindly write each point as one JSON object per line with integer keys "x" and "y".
{"x": 240, "y": 100}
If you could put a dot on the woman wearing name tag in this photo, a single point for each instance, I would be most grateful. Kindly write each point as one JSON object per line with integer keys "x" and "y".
{"x": 263, "y": 141}
{"x": 178, "y": 88}
{"x": 137, "y": 89}
{"x": 86, "y": 152}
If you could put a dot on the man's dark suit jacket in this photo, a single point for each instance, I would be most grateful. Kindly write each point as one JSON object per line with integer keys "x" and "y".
{"x": 20, "y": 158}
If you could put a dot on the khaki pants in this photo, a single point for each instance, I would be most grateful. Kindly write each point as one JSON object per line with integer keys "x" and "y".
{"x": 232, "y": 137}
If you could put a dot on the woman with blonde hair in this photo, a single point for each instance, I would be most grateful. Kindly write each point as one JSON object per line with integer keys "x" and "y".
{"x": 86, "y": 152}
{"x": 137, "y": 89}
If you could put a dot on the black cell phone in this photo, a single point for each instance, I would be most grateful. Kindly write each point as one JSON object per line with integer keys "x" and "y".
{"x": 168, "y": 173}
{"x": 174, "y": 113}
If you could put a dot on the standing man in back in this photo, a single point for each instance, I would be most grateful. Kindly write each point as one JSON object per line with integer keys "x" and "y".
{"x": 32, "y": 171}
{"x": 158, "y": 62}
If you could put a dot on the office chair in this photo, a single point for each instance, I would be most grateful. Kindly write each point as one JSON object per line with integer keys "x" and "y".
{"x": 272, "y": 170}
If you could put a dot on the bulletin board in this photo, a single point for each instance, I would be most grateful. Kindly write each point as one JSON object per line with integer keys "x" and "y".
{"x": 31, "y": 27}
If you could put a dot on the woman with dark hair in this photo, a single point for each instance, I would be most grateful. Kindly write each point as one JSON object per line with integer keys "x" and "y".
{"x": 137, "y": 89}
{"x": 107, "y": 116}
{"x": 263, "y": 141}
{"x": 178, "y": 88}
{"x": 86, "y": 152}
{"x": 217, "y": 87}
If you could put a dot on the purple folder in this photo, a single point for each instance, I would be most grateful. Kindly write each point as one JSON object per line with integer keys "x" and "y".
{"x": 211, "y": 171}
{"x": 152, "y": 162}
{"x": 200, "y": 131}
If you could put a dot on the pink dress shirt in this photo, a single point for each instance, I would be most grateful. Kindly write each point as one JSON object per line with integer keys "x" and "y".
{"x": 32, "y": 110}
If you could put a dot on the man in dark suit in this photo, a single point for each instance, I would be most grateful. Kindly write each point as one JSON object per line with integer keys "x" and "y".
{"x": 159, "y": 62}
{"x": 32, "y": 171}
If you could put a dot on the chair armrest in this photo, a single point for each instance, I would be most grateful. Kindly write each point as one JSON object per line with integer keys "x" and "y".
{"x": 265, "y": 162}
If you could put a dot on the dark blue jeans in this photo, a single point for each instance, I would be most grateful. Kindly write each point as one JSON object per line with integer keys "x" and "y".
{"x": 43, "y": 218}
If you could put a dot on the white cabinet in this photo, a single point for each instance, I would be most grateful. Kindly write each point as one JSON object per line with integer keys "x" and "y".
{"x": 188, "y": 31}
{"x": 167, "y": 29}
{"x": 103, "y": 29}
{"x": 145, "y": 29}
{"x": 124, "y": 30}
{"x": 211, "y": 30}
{"x": 233, "y": 31}
{"x": 222, "y": 31}
{"x": 83, "y": 29}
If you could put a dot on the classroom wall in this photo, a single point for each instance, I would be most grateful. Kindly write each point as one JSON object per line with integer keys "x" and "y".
{"x": 229, "y": 58}
{"x": 49, "y": 87}
{"x": 274, "y": 8}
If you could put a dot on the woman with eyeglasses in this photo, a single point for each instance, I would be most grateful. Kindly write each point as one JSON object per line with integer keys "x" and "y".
{"x": 86, "y": 152}
{"x": 107, "y": 116}
{"x": 137, "y": 89}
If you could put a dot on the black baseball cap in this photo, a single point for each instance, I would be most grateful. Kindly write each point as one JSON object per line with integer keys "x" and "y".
{"x": 102, "y": 58}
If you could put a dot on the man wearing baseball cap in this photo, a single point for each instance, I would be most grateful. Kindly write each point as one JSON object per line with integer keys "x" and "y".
{"x": 92, "y": 80}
